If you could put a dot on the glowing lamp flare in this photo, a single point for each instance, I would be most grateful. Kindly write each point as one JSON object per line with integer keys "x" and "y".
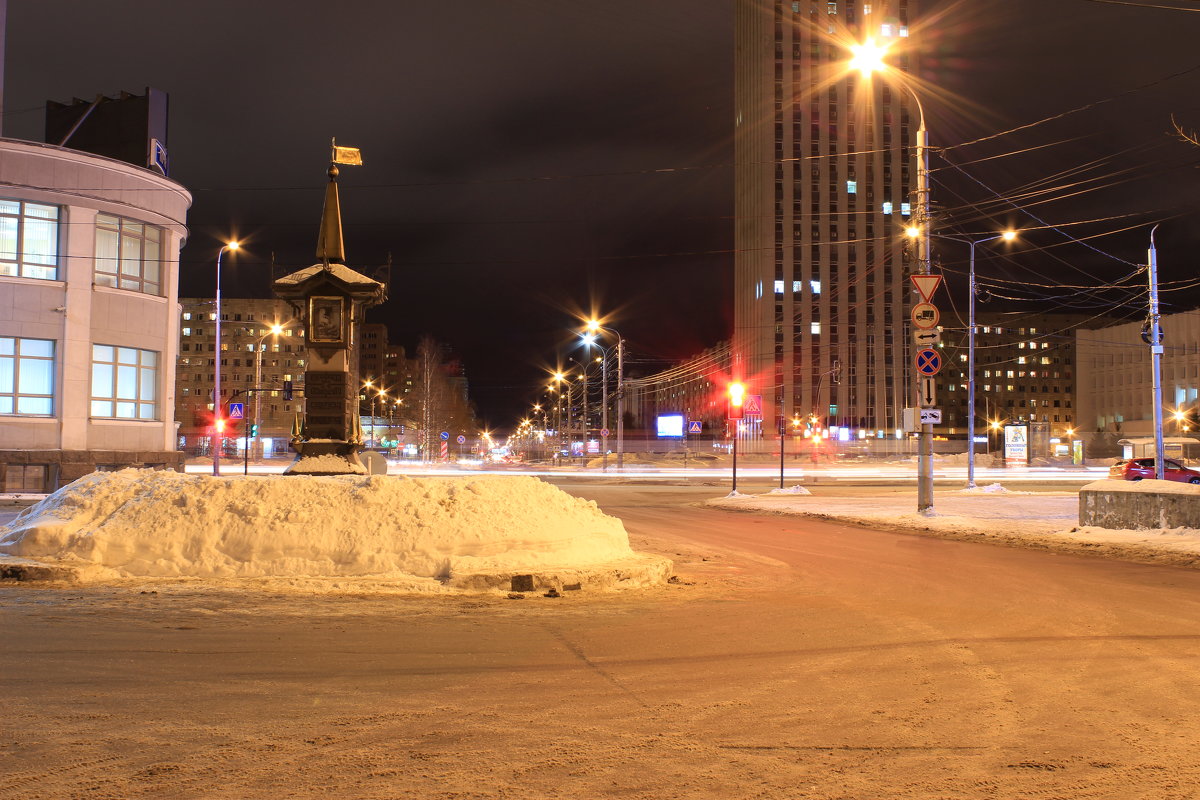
{"x": 737, "y": 394}
{"x": 868, "y": 57}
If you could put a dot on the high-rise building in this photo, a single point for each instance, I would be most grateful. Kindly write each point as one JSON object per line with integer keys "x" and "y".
{"x": 825, "y": 173}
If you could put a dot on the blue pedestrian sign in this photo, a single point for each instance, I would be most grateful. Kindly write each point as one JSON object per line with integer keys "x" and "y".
{"x": 928, "y": 362}
{"x": 237, "y": 410}
{"x": 445, "y": 435}
{"x": 695, "y": 426}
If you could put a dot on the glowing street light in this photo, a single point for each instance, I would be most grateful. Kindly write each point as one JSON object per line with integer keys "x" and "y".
{"x": 594, "y": 329}
{"x": 868, "y": 57}
{"x": 218, "y": 414}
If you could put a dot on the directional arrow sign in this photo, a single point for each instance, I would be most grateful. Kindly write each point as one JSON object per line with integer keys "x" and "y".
{"x": 928, "y": 362}
{"x": 927, "y": 337}
{"x": 928, "y": 392}
{"x": 926, "y": 285}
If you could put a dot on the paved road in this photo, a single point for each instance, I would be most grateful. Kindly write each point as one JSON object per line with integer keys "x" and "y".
{"x": 795, "y": 659}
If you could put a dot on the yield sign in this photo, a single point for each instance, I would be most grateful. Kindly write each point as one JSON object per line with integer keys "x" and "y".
{"x": 926, "y": 285}
{"x": 929, "y": 362}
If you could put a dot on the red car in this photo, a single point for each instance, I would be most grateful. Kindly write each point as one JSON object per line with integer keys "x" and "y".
{"x": 1137, "y": 468}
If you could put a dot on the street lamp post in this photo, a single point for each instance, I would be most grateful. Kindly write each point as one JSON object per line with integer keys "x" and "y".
{"x": 1007, "y": 236}
{"x": 594, "y": 326}
{"x": 274, "y": 330}
{"x": 218, "y": 417}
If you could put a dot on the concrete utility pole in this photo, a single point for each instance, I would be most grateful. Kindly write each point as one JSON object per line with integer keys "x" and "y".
{"x": 1154, "y": 337}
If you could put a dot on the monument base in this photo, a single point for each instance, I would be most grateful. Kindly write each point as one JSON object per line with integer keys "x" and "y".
{"x": 325, "y": 457}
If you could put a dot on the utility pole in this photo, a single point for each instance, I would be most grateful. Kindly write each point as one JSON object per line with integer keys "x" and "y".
{"x": 1153, "y": 336}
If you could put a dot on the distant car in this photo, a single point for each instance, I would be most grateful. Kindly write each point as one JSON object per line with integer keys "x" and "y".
{"x": 1135, "y": 469}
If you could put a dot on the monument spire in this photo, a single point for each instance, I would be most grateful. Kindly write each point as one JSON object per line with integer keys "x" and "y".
{"x": 329, "y": 242}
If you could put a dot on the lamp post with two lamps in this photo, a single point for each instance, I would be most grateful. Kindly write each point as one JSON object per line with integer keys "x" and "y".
{"x": 218, "y": 414}
{"x": 594, "y": 327}
{"x": 274, "y": 330}
{"x": 868, "y": 59}
{"x": 972, "y": 290}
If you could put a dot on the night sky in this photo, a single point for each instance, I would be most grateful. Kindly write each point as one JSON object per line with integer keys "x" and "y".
{"x": 527, "y": 161}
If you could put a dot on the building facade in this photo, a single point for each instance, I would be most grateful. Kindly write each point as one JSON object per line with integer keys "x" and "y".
{"x": 825, "y": 173}
{"x": 1116, "y": 382}
{"x": 89, "y": 322}
{"x": 1025, "y": 371}
{"x": 252, "y": 356}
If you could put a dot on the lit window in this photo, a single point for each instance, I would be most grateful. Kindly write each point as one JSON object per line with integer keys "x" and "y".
{"x": 187, "y": 315}
{"x": 815, "y": 328}
{"x": 797, "y": 286}
{"x": 885, "y": 30}
{"x": 26, "y": 376}
{"x": 778, "y": 287}
{"x": 815, "y": 286}
{"x": 851, "y": 187}
{"x": 186, "y": 331}
{"x": 28, "y": 240}
{"x": 128, "y": 255}
{"x": 1021, "y": 360}
{"x": 796, "y": 7}
{"x": 887, "y": 207}
{"x": 867, "y": 8}
{"x": 124, "y": 382}
{"x": 905, "y": 209}
{"x": 758, "y": 290}
{"x": 904, "y": 31}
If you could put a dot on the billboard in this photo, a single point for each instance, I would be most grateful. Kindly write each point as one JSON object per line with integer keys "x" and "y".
{"x": 670, "y": 426}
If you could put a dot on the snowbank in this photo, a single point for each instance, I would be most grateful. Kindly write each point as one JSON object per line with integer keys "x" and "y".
{"x": 148, "y": 523}
{"x": 1043, "y": 520}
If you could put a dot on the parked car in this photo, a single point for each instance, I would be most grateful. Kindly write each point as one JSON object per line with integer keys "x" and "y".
{"x": 1135, "y": 469}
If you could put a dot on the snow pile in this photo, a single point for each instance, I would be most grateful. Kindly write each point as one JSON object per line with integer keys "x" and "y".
{"x": 991, "y": 488}
{"x": 790, "y": 490}
{"x": 148, "y": 523}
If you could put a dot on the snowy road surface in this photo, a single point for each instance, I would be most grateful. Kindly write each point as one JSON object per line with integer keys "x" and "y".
{"x": 796, "y": 659}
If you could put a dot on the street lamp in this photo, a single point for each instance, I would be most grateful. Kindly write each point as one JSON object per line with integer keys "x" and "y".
{"x": 218, "y": 416}
{"x": 1007, "y": 236}
{"x": 867, "y": 59}
{"x": 274, "y": 330}
{"x": 594, "y": 326}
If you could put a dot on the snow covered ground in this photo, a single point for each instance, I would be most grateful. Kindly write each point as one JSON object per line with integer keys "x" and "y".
{"x": 334, "y": 533}
{"x": 992, "y": 512}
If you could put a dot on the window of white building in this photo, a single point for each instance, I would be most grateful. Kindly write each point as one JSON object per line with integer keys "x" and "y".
{"x": 128, "y": 255}
{"x": 28, "y": 240}
{"x": 124, "y": 382}
{"x": 26, "y": 376}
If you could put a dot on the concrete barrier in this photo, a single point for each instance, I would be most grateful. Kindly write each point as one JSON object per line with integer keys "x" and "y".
{"x": 1133, "y": 505}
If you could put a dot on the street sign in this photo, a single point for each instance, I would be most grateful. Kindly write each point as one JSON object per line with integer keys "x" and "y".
{"x": 926, "y": 285}
{"x": 927, "y": 337}
{"x": 927, "y": 393}
{"x": 928, "y": 361}
{"x": 237, "y": 410}
{"x": 604, "y": 432}
{"x": 695, "y": 426}
{"x": 925, "y": 315}
{"x": 931, "y": 416}
{"x": 753, "y": 405}
{"x": 445, "y": 435}
{"x": 462, "y": 439}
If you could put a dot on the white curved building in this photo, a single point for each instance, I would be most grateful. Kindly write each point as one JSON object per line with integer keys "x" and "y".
{"x": 89, "y": 317}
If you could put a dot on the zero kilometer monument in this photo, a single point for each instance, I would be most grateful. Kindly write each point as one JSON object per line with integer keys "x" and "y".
{"x": 330, "y": 298}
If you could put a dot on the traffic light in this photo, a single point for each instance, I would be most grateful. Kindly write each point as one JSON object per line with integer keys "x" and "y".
{"x": 219, "y": 425}
{"x": 254, "y": 429}
{"x": 737, "y": 396}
